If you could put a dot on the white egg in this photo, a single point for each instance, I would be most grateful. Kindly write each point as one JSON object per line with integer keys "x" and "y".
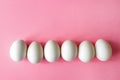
{"x": 18, "y": 50}
{"x": 86, "y": 51}
{"x": 68, "y": 50}
{"x": 51, "y": 51}
{"x": 103, "y": 50}
{"x": 35, "y": 52}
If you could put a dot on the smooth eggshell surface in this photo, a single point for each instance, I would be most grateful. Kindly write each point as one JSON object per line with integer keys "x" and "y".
{"x": 51, "y": 51}
{"x": 18, "y": 50}
{"x": 35, "y": 52}
{"x": 86, "y": 51}
{"x": 68, "y": 50}
{"x": 103, "y": 50}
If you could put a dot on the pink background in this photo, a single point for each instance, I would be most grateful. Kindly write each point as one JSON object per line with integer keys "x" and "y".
{"x": 41, "y": 20}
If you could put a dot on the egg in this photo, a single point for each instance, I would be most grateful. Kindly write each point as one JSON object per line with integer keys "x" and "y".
{"x": 68, "y": 50}
{"x": 103, "y": 50}
{"x": 18, "y": 50}
{"x": 51, "y": 51}
{"x": 35, "y": 52}
{"x": 86, "y": 51}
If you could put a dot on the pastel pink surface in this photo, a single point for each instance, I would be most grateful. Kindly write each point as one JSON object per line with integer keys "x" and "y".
{"x": 42, "y": 20}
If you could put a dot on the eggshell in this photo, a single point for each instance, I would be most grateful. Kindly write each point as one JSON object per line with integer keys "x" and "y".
{"x": 35, "y": 52}
{"x": 68, "y": 50}
{"x": 103, "y": 50}
{"x": 51, "y": 51}
{"x": 18, "y": 50}
{"x": 86, "y": 51}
